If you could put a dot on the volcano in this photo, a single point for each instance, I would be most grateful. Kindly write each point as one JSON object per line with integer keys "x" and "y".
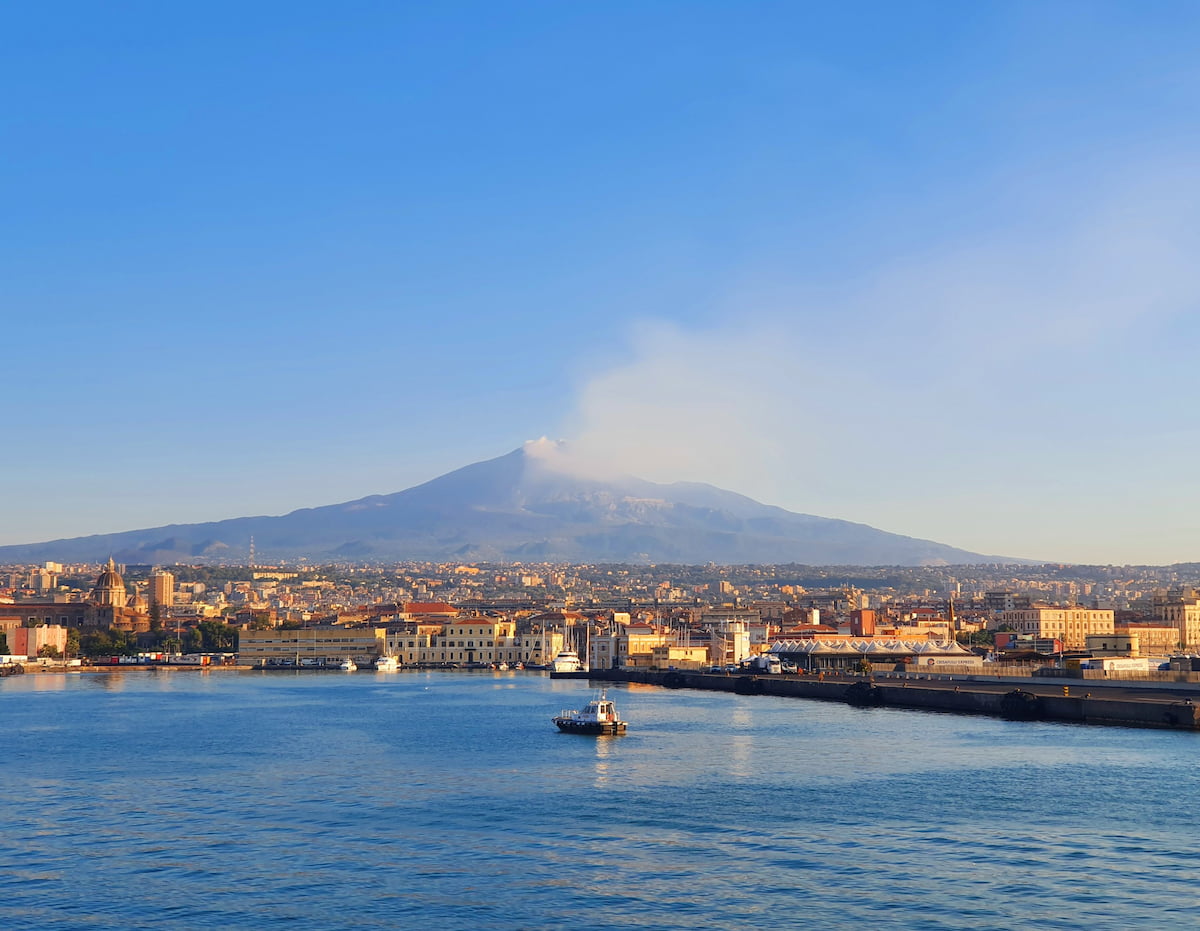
{"x": 531, "y": 505}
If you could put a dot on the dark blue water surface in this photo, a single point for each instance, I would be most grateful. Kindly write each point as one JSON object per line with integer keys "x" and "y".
{"x": 449, "y": 800}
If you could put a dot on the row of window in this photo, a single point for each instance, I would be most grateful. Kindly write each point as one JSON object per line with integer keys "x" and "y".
{"x": 456, "y": 644}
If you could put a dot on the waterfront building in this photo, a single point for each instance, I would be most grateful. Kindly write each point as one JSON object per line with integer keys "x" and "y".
{"x": 1071, "y": 625}
{"x": 729, "y": 633}
{"x": 680, "y": 656}
{"x": 729, "y": 643}
{"x": 472, "y": 640}
{"x": 313, "y": 646}
{"x": 631, "y": 646}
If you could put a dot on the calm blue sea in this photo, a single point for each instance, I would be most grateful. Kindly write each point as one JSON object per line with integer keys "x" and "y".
{"x": 448, "y": 800}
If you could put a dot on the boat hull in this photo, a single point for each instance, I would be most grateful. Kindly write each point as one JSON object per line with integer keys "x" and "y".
{"x": 570, "y": 726}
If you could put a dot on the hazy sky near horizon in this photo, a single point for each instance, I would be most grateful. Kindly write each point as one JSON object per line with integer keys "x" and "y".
{"x": 927, "y": 266}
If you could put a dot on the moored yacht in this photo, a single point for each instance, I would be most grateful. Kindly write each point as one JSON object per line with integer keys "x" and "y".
{"x": 387, "y": 664}
{"x": 567, "y": 661}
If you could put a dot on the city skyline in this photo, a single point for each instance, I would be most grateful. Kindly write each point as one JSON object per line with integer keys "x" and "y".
{"x": 911, "y": 266}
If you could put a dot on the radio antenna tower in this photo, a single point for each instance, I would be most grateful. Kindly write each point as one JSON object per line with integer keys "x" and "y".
{"x": 252, "y": 552}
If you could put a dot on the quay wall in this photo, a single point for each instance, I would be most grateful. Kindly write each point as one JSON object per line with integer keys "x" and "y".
{"x": 1083, "y": 703}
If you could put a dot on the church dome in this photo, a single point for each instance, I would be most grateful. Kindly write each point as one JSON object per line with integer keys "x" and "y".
{"x": 110, "y": 587}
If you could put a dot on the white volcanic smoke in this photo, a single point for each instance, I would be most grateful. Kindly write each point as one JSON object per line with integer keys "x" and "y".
{"x": 701, "y": 406}
{"x": 969, "y": 396}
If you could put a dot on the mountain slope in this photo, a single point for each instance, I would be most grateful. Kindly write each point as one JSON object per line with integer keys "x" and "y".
{"x": 524, "y": 506}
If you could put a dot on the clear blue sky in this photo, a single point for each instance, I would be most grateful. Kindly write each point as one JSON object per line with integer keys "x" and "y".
{"x": 929, "y": 266}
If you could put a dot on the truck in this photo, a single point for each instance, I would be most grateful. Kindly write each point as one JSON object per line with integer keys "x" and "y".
{"x": 766, "y": 662}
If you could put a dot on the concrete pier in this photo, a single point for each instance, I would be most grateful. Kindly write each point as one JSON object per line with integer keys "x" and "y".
{"x": 1164, "y": 705}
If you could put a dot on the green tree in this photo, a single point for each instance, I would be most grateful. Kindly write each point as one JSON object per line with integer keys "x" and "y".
{"x": 72, "y": 641}
{"x": 111, "y": 642}
{"x": 216, "y": 637}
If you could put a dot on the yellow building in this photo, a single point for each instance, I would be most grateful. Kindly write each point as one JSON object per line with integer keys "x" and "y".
{"x": 310, "y": 646}
{"x": 679, "y": 656}
{"x": 922, "y": 630}
{"x": 641, "y": 646}
{"x": 472, "y": 640}
{"x": 1070, "y": 625}
{"x": 1184, "y": 616}
{"x": 1152, "y": 639}
{"x": 162, "y": 588}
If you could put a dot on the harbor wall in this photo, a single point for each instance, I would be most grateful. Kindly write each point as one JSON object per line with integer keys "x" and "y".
{"x": 1083, "y": 703}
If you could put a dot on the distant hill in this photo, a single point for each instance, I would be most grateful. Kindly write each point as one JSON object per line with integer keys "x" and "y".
{"x": 524, "y": 506}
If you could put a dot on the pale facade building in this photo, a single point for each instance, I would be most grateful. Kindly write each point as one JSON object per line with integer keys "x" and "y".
{"x": 162, "y": 588}
{"x": 42, "y": 580}
{"x": 30, "y": 641}
{"x": 680, "y": 656}
{"x": 472, "y": 640}
{"x": 1070, "y": 625}
{"x": 1184, "y": 616}
{"x": 630, "y": 646}
{"x": 1151, "y": 639}
{"x": 310, "y": 646}
{"x": 730, "y": 643}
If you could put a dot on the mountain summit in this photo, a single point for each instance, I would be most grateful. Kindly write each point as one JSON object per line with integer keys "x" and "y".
{"x": 534, "y": 504}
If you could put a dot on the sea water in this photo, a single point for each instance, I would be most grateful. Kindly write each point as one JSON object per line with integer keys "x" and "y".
{"x": 442, "y": 800}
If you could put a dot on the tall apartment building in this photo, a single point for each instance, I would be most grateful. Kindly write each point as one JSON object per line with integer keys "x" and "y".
{"x": 162, "y": 588}
{"x": 1004, "y": 601}
{"x": 42, "y": 580}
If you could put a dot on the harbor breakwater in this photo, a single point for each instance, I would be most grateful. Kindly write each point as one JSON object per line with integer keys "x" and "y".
{"x": 1027, "y": 700}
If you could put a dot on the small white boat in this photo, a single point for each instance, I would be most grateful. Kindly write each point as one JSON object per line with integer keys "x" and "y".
{"x": 599, "y": 716}
{"x": 348, "y": 665}
{"x": 387, "y": 664}
{"x": 503, "y": 667}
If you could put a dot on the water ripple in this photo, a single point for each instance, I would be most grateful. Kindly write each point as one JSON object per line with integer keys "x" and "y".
{"x": 258, "y": 801}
